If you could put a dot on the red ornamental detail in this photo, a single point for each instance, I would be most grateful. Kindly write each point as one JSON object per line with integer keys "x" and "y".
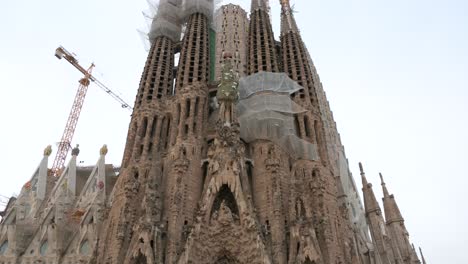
{"x": 100, "y": 185}
{"x": 27, "y": 185}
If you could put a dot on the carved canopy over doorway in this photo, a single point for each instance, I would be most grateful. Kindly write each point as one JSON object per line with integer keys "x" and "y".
{"x": 141, "y": 259}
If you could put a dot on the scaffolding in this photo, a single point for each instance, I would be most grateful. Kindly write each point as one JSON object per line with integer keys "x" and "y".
{"x": 266, "y": 112}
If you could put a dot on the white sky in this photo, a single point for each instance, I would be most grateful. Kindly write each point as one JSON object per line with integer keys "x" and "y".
{"x": 396, "y": 74}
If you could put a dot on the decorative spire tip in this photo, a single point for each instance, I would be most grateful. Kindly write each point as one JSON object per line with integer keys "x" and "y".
{"x": 361, "y": 168}
{"x": 48, "y": 151}
{"x": 104, "y": 150}
{"x": 381, "y": 178}
{"x": 76, "y": 150}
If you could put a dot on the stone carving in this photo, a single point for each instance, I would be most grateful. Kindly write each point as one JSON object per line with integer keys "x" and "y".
{"x": 103, "y": 150}
{"x": 76, "y": 150}
{"x": 48, "y": 151}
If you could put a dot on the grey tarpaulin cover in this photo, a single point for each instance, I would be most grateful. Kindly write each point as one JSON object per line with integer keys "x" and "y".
{"x": 167, "y": 21}
{"x": 266, "y": 112}
{"x": 171, "y": 14}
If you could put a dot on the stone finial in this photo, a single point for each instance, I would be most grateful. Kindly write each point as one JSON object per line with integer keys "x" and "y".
{"x": 384, "y": 187}
{"x": 104, "y": 150}
{"x": 381, "y": 178}
{"x": 48, "y": 151}
{"x": 76, "y": 150}
{"x": 422, "y": 256}
{"x": 363, "y": 175}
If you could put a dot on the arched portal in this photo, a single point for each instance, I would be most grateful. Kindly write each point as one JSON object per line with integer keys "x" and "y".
{"x": 227, "y": 197}
{"x": 141, "y": 259}
{"x": 308, "y": 261}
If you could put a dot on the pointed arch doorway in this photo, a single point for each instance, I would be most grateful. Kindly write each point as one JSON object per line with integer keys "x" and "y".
{"x": 140, "y": 259}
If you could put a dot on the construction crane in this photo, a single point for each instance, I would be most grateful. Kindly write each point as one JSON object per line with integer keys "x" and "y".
{"x": 65, "y": 143}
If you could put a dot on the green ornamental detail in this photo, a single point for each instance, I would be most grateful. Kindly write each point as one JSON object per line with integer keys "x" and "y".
{"x": 227, "y": 89}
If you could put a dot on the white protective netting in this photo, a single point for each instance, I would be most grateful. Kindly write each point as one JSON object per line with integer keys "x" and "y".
{"x": 167, "y": 21}
{"x": 205, "y": 7}
{"x": 266, "y": 112}
{"x": 267, "y": 81}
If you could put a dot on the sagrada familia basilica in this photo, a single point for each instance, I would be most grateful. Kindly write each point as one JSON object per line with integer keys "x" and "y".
{"x": 232, "y": 156}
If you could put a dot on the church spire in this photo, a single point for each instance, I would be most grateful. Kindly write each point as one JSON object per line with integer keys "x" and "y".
{"x": 397, "y": 228}
{"x": 262, "y": 54}
{"x": 295, "y": 57}
{"x": 288, "y": 22}
{"x": 422, "y": 256}
{"x": 384, "y": 186}
{"x": 370, "y": 202}
{"x": 376, "y": 222}
{"x": 392, "y": 212}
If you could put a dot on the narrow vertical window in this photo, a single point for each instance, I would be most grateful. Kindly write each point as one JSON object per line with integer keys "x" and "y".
{"x": 297, "y": 126}
{"x": 144, "y": 127}
{"x": 307, "y": 126}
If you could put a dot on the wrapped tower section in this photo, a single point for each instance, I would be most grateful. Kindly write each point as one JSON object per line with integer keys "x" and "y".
{"x": 167, "y": 21}
{"x": 266, "y": 112}
{"x": 205, "y": 7}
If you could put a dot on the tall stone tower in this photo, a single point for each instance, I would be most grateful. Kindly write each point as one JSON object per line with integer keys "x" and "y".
{"x": 232, "y": 156}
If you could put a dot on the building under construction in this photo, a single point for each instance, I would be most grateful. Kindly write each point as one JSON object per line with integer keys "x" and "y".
{"x": 232, "y": 156}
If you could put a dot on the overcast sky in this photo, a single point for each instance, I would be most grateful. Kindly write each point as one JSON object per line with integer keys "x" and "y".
{"x": 396, "y": 75}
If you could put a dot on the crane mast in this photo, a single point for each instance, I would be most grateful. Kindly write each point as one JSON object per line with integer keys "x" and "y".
{"x": 65, "y": 143}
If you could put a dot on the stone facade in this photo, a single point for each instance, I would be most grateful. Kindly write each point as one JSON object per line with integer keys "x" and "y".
{"x": 191, "y": 189}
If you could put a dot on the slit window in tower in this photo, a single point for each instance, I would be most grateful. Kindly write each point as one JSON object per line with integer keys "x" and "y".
{"x": 250, "y": 175}
{"x": 178, "y": 114}
{"x": 144, "y": 127}
{"x": 307, "y": 126}
{"x": 161, "y": 133}
{"x": 186, "y": 130}
{"x": 205, "y": 174}
{"x": 168, "y": 131}
{"x": 197, "y": 102}
{"x": 150, "y": 147}
{"x": 297, "y": 127}
{"x": 187, "y": 108}
{"x": 153, "y": 126}
{"x": 140, "y": 152}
